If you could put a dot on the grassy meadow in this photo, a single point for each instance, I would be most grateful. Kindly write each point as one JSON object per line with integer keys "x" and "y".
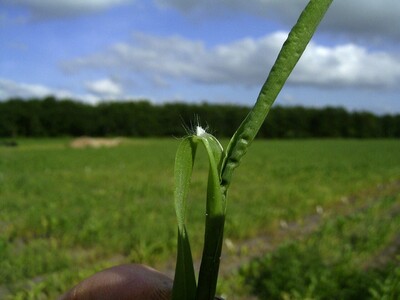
{"x": 66, "y": 213}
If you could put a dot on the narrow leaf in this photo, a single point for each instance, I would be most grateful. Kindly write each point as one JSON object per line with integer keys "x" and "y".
{"x": 185, "y": 280}
{"x": 215, "y": 219}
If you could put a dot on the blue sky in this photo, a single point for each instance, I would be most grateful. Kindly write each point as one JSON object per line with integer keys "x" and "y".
{"x": 198, "y": 50}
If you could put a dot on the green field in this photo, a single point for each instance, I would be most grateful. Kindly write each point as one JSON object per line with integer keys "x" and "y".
{"x": 65, "y": 213}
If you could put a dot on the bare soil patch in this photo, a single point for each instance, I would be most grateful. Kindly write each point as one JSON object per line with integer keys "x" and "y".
{"x": 90, "y": 142}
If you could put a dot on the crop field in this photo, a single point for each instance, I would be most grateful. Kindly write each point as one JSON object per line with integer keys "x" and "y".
{"x": 66, "y": 213}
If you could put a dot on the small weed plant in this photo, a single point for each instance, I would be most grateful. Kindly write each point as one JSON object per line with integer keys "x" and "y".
{"x": 223, "y": 162}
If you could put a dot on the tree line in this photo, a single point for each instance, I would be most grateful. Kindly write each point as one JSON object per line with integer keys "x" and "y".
{"x": 50, "y": 117}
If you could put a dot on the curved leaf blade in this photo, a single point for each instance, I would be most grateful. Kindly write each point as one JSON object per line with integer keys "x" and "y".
{"x": 215, "y": 220}
{"x": 184, "y": 287}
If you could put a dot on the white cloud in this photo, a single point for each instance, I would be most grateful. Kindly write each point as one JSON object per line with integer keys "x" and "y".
{"x": 244, "y": 62}
{"x": 11, "y": 89}
{"x": 255, "y": 6}
{"x": 356, "y": 17}
{"x": 347, "y": 65}
{"x": 52, "y": 8}
{"x": 175, "y": 57}
{"x": 365, "y": 18}
{"x": 104, "y": 88}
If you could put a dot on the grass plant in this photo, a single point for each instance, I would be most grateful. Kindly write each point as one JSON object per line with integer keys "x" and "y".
{"x": 223, "y": 163}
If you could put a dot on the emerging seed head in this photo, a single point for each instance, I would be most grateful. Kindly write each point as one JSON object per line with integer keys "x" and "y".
{"x": 200, "y": 131}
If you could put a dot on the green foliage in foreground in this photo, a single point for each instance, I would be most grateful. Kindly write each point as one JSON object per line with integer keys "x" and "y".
{"x": 66, "y": 213}
{"x": 342, "y": 260}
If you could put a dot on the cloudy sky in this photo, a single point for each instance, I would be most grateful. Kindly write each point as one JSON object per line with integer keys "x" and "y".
{"x": 198, "y": 50}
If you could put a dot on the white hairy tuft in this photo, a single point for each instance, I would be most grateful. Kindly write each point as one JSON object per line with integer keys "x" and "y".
{"x": 200, "y": 131}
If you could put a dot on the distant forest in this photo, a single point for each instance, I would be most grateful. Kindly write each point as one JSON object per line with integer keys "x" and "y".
{"x": 50, "y": 117}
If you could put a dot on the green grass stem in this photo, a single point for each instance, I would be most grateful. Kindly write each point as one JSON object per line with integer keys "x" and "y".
{"x": 291, "y": 51}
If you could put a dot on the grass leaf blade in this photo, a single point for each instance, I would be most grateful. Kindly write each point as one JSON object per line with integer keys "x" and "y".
{"x": 215, "y": 220}
{"x": 185, "y": 280}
